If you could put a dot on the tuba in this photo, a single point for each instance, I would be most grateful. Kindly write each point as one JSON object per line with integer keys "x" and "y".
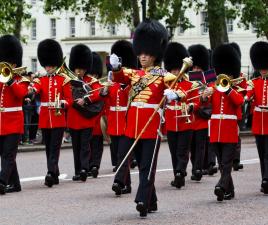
{"x": 7, "y": 72}
{"x": 224, "y": 82}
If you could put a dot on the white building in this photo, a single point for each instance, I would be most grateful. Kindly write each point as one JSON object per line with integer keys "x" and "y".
{"x": 70, "y": 29}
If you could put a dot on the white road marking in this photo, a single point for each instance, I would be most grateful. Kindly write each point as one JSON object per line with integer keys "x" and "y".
{"x": 64, "y": 176}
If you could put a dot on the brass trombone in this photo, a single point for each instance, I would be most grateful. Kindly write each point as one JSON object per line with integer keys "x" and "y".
{"x": 224, "y": 82}
{"x": 7, "y": 72}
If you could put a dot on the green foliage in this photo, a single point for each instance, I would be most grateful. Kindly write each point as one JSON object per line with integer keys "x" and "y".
{"x": 253, "y": 12}
{"x": 12, "y": 15}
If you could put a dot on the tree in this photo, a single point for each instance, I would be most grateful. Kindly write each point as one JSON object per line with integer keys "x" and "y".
{"x": 12, "y": 15}
{"x": 120, "y": 11}
{"x": 253, "y": 12}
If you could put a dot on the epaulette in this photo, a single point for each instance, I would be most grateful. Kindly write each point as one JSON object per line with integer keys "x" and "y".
{"x": 250, "y": 83}
{"x": 93, "y": 79}
{"x": 37, "y": 80}
{"x": 24, "y": 79}
{"x": 169, "y": 77}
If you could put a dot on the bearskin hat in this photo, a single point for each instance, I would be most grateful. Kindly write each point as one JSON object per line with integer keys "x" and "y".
{"x": 80, "y": 58}
{"x": 124, "y": 49}
{"x": 200, "y": 56}
{"x": 259, "y": 55}
{"x": 225, "y": 60}
{"x": 236, "y": 47}
{"x": 10, "y": 50}
{"x": 151, "y": 38}
{"x": 49, "y": 53}
{"x": 97, "y": 65}
{"x": 174, "y": 55}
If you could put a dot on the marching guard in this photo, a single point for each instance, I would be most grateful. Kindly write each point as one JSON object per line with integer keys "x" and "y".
{"x": 258, "y": 92}
{"x": 147, "y": 87}
{"x": 179, "y": 113}
{"x": 199, "y": 145}
{"x": 54, "y": 90}
{"x": 223, "y": 128}
{"x": 81, "y": 126}
{"x": 118, "y": 102}
{"x": 13, "y": 88}
{"x": 96, "y": 141}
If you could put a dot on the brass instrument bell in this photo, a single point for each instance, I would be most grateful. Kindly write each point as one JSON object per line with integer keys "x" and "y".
{"x": 7, "y": 72}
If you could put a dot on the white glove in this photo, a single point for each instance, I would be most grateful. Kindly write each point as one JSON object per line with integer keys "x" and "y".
{"x": 171, "y": 95}
{"x": 110, "y": 76}
{"x": 114, "y": 61}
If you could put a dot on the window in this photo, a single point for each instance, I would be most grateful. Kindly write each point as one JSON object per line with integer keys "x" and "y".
{"x": 230, "y": 25}
{"x": 53, "y": 30}
{"x": 33, "y": 30}
{"x": 92, "y": 27}
{"x": 33, "y": 2}
{"x": 72, "y": 27}
{"x": 204, "y": 24}
{"x": 180, "y": 30}
{"x": 34, "y": 65}
{"x": 112, "y": 29}
{"x": 254, "y": 28}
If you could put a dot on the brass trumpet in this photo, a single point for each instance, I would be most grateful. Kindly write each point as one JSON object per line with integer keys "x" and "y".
{"x": 224, "y": 82}
{"x": 7, "y": 72}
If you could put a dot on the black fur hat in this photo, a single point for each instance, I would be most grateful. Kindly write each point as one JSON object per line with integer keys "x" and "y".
{"x": 225, "y": 60}
{"x": 80, "y": 58}
{"x": 124, "y": 49}
{"x": 10, "y": 50}
{"x": 200, "y": 56}
{"x": 49, "y": 53}
{"x": 259, "y": 55}
{"x": 236, "y": 47}
{"x": 174, "y": 55}
{"x": 151, "y": 38}
{"x": 97, "y": 65}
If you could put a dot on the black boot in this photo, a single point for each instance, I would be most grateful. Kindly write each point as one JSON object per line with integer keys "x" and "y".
{"x": 219, "y": 192}
{"x": 83, "y": 175}
{"x": 179, "y": 180}
{"x": 2, "y": 189}
{"x": 94, "y": 172}
{"x": 13, "y": 188}
{"x": 197, "y": 175}
{"x": 126, "y": 189}
{"x": 117, "y": 189}
{"x": 142, "y": 209}
{"x": 264, "y": 185}
{"x": 49, "y": 180}
{"x": 229, "y": 195}
{"x": 212, "y": 170}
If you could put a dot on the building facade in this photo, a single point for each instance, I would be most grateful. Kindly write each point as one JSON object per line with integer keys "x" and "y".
{"x": 70, "y": 29}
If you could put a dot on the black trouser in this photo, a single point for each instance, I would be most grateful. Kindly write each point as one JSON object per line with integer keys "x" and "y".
{"x": 81, "y": 148}
{"x": 114, "y": 148}
{"x": 210, "y": 156}
{"x": 8, "y": 152}
{"x": 96, "y": 150}
{"x": 34, "y": 126}
{"x": 225, "y": 154}
{"x": 237, "y": 151}
{"x": 198, "y": 149}
{"x": 179, "y": 145}
{"x": 123, "y": 175}
{"x": 53, "y": 139}
{"x": 262, "y": 146}
{"x": 27, "y": 124}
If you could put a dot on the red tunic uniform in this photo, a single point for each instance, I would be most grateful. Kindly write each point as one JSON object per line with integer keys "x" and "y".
{"x": 173, "y": 109}
{"x": 146, "y": 101}
{"x": 48, "y": 87}
{"x": 116, "y": 117}
{"x": 74, "y": 118}
{"x": 223, "y": 123}
{"x": 11, "y": 98}
{"x": 258, "y": 91}
{"x": 241, "y": 88}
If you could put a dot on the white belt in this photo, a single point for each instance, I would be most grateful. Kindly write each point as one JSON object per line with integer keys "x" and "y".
{"x": 174, "y": 107}
{"x": 223, "y": 116}
{"x": 258, "y": 109}
{"x": 11, "y": 109}
{"x": 118, "y": 108}
{"x": 144, "y": 105}
{"x": 48, "y": 104}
